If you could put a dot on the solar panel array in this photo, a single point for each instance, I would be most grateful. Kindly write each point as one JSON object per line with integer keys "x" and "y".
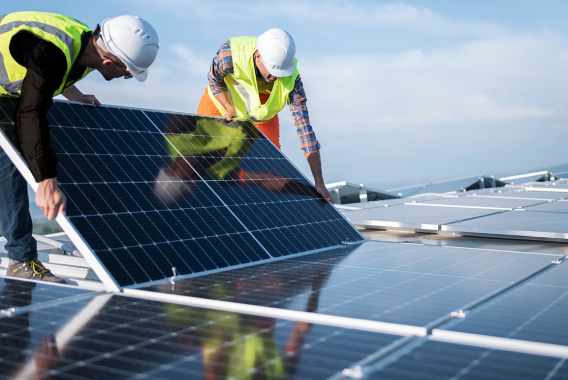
{"x": 150, "y": 191}
{"x": 508, "y": 212}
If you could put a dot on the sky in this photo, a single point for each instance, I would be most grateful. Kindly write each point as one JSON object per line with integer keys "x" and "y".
{"x": 398, "y": 92}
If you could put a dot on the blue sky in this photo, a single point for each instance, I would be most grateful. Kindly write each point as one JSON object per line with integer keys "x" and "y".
{"x": 397, "y": 91}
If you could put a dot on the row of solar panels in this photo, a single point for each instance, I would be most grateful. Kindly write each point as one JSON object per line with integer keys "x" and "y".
{"x": 537, "y": 211}
{"x": 346, "y": 192}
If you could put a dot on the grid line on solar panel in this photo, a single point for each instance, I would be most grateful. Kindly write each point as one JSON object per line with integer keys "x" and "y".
{"x": 110, "y": 160}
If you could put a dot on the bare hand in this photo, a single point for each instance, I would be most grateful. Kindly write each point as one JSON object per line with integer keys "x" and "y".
{"x": 50, "y": 198}
{"x": 322, "y": 190}
{"x": 227, "y": 104}
{"x": 231, "y": 113}
{"x": 90, "y": 99}
{"x": 73, "y": 94}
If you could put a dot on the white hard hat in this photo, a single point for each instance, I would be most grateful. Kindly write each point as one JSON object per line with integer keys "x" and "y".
{"x": 133, "y": 41}
{"x": 277, "y": 51}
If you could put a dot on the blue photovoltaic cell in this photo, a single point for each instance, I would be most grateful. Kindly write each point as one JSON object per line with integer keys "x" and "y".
{"x": 117, "y": 337}
{"x": 150, "y": 190}
{"x": 531, "y": 312}
{"x": 444, "y": 361}
{"x": 391, "y": 282}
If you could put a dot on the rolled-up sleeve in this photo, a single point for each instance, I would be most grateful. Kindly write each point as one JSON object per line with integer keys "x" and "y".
{"x": 299, "y": 110}
{"x": 221, "y": 66}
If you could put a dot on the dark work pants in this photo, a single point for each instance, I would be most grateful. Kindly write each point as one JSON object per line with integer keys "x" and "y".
{"x": 15, "y": 220}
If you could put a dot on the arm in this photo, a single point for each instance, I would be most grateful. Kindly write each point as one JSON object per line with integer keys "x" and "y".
{"x": 314, "y": 160}
{"x": 73, "y": 94}
{"x": 223, "y": 98}
{"x": 308, "y": 141}
{"x": 222, "y": 66}
{"x": 46, "y": 67}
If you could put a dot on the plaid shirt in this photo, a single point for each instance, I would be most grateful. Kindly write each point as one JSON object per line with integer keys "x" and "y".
{"x": 222, "y": 66}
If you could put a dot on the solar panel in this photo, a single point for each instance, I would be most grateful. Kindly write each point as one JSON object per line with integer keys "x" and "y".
{"x": 525, "y": 223}
{"x": 559, "y": 206}
{"x": 416, "y": 216}
{"x": 475, "y": 201}
{"x": 529, "y": 312}
{"x": 408, "y": 284}
{"x": 437, "y": 360}
{"x": 149, "y": 191}
{"x": 117, "y": 337}
{"x": 519, "y": 194}
{"x": 446, "y": 186}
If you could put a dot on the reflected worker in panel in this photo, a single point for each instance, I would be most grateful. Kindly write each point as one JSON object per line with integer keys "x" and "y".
{"x": 213, "y": 149}
{"x": 44, "y": 55}
{"x": 253, "y": 79}
{"x": 242, "y": 346}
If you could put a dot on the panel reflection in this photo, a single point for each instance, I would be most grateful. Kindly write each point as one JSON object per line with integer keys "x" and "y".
{"x": 213, "y": 149}
{"x": 117, "y": 337}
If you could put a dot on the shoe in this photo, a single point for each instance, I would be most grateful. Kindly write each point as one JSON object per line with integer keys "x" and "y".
{"x": 34, "y": 270}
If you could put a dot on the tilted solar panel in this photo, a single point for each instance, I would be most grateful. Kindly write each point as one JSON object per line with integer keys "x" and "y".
{"x": 149, "y": 191}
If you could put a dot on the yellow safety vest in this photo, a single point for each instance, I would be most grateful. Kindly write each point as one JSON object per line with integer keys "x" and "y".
{"x": 62, "y": 31}
{"x": 244, "y": 89}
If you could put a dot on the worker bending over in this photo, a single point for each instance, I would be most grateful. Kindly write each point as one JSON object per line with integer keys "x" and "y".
{"x": 254, "y": 78}
{"x": 43, "y": 55}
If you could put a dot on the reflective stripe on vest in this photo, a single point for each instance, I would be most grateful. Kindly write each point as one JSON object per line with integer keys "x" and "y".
{"x": 59, "y": 33}
{"x": 243, "y": 85}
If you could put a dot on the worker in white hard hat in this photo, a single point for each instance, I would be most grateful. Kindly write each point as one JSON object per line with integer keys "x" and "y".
{"x": 253, "y": 79}
{"x": 43, "y": 55}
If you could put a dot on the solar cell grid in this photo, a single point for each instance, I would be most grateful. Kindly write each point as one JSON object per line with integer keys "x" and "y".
{"x": 139, "y": 181}
{"x": 116, "y": 337}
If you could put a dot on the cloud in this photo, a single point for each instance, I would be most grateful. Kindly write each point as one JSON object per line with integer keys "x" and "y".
{"x": 327, "y": 13}
{"x": 502, "y": 79}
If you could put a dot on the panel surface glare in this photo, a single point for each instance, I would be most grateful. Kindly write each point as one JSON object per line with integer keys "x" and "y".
{"x": 445, "y": 361}
{"x": 129, "y": 338}
{"x": 150, "y": 191}
{"x": 410, "y": 284}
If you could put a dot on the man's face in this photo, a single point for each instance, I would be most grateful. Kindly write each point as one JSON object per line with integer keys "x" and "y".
{"x": 113, "y": 68}
{"x": 262, "y": 69}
